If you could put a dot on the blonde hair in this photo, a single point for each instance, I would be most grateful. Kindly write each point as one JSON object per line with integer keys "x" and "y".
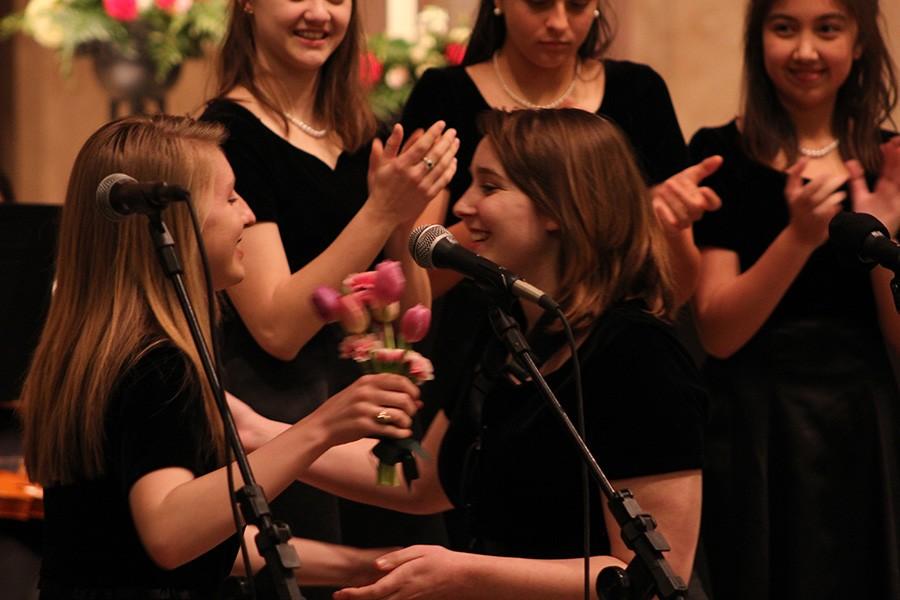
{"x": 579, "y": 170}
{"x": 112, "y": 301}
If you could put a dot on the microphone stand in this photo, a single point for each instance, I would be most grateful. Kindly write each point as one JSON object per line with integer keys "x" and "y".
{"x": 648, "y": 573}
{"x": 272, "y": 539}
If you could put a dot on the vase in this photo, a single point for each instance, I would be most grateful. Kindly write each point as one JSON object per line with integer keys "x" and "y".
{"x": 131, "y": 81}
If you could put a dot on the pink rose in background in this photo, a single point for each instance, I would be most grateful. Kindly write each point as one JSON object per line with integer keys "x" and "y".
{"x": 175, "y": 7}
{"x": 415, "y": 323}
{"x": 327, "y": 303}
{"x": 121, "y": 10}
{"x": 454, "y": 53}
{"x": 389, "y": 283}
{"x": 370, "y": 69}
{"x": 352, "y": 314}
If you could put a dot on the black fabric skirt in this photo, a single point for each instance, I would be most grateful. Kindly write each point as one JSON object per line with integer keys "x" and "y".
{"x": 801, "y": 491}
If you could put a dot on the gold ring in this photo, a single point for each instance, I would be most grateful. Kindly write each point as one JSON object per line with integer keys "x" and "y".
{"x": 429, "y": 164}
{"x": 383, "y": 417}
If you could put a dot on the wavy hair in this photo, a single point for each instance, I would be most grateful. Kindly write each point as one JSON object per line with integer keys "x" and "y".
{"x": 579, "y": 170}
{"x": 864, "y": 102}
{"x": 340, "y": 102}
{"x": 112, "y": 301}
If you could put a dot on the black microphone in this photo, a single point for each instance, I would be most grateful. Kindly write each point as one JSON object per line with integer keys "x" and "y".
{"x": 866, "y": 237}
{"x": 120, "y": 195}
{"x": 432, "y": 246}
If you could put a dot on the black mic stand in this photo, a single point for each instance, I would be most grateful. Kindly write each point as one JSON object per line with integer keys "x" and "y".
{"x": 648, "y": 573}
{"x": 273, "y": 537}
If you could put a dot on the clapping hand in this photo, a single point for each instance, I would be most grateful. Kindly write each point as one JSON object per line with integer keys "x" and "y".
{"x": 812, "y": 204}
{"x": 680, "y": 200}
{"x": 883, "y": 202}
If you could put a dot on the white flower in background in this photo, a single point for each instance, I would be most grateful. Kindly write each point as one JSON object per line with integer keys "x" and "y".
{"x": 434, "y": 60}
{"x": 182, "y": 6}
{"x": 41, "y": 19}
{"x": 459, "y": 35}
{"x": 418, "y": 53}
{"x": 433, "y": 20}
{"x": 144, "y": 5}
{"x": 396, "y": 77}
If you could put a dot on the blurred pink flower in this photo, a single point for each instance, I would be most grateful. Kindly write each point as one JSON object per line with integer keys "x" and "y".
{"x": 389, "y": 283}
{"x": 370, "y": 69}
{"x": 359, "y": 347}
{"x": 327, "y": 302}
{"x": 389, "y": 355}
{"x": 418, "y": 368}
{"x": 360, "y": 285}
{"x": 175, "y": 7}
{"x": 121, "y": 10}
{"x": 352, "y": 314}
{"x": 415, "y": 323}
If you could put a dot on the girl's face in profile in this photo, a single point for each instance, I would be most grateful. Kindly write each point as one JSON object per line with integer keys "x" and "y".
{"x": 809, "y": 47}
{"x": 503, "y": 222}
{"x": 226, "y": 217}
{"x": 299, "y": 34}
{"x": 547, "y": 33}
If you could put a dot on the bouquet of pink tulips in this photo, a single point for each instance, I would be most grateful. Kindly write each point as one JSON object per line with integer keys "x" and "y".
{"x": 367, "y": 308}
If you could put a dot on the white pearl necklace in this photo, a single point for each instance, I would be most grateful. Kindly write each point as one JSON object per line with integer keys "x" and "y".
{"x": 819, "y": 152}
{"x": 306, "y": 127}
{"x": 522, "y": 101}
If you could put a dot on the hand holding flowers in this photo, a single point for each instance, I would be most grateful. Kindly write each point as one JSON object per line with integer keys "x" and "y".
{"x": 367, "y": 309}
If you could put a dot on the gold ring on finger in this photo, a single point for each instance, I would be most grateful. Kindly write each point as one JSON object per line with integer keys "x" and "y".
{"x": 429, "y": 164}
{"x": 383, "y": 417}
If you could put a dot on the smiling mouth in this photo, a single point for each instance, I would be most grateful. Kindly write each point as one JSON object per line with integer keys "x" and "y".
{"x": 478, "y": 235}
{"x": 315, "y": 36}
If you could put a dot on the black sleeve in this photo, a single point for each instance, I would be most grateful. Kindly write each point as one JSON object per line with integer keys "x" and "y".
{"x": 638, "y": 100}
{"x": 719, "y": 228}
{"x": 645, "y": 405}
{"x": 157, "y": 418}
{"x": 251, "y": 158}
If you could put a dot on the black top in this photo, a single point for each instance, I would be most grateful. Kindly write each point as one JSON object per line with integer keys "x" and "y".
{"x": 507, "y": 458}
{"x": 635, "y": 98}
{"x": 754, "y": 212}
{"x": 90, "y": 539}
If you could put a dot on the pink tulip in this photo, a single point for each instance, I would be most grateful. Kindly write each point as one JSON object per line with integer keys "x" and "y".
{"x": 389, "y": 283}
{"x": 327, "y": 302}
{"x": 360, "y": 285}
{"x": 121, "y": 10}
{"x": 352, "y": 314}
{"x": 415, "y": 323}
{"x": 389, "y": 355}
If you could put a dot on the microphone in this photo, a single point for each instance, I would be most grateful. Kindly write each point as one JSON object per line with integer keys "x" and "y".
{"x": 432, "y": 246}
{"x": 120, "y": 195}
{"x": 866, "y": 237}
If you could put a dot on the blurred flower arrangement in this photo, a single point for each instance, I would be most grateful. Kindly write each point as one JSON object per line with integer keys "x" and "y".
{"x": 391, "y": 67}
{"x": 367, "y": 308}
{"x": 164, "y": 31}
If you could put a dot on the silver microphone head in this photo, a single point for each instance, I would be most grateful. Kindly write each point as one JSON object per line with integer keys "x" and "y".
{"x": 422, "y": 241}
{"x": 103, "y": 190}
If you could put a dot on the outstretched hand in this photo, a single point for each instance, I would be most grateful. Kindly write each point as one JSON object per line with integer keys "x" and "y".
{"x": 680, "y": 200}
{"x": 812, "y": 204}
{"x": 420, "y": 572}
{"x": 883, "y": 202}
{"x": 403, "y": 178}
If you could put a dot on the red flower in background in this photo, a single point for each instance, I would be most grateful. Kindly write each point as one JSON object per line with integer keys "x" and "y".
{"x": 121, "y": 10}
{"x": 370, "y": 69}
{"x": 454, "y": 53}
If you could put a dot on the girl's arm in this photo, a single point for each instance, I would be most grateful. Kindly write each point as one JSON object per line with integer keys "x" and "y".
{"x": 179, "y": 516}
{"x": 426, "y": 572}
{"x": 730, "y": 306}
{"x": 274, "y": 303}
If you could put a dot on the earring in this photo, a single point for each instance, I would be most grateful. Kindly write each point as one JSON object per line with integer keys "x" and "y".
{"x": 596, "y": 13}
{"x": 498, "y": 12}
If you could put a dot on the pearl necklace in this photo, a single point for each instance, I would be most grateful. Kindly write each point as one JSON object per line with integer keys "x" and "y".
{"x": 522, "y": 101}
{"x": 306, "y": 127}
{"x": 819, "y": 152}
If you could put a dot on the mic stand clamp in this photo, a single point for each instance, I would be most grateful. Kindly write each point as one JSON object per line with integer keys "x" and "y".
{"x": 273, "y": 538}
{"x": 649, "y": 572}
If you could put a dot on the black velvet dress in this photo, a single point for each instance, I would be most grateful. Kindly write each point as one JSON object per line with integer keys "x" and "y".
{"x": 802, "y": 489}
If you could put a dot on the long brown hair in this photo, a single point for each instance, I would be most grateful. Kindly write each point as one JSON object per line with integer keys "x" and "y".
{"x": 489, "y": 33}
{"x": 340, "y": 102}
{"x": 112, "y": 301}
{"x": 579, "y": 170}
{"x": 864, "y": 102}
